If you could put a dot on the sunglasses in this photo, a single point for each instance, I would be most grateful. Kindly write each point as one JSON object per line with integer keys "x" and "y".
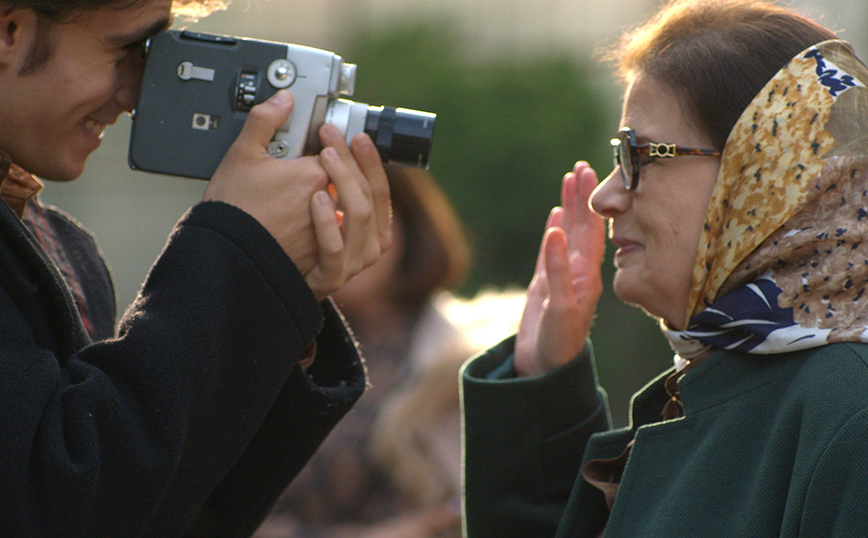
{"x": 626, "y": 152}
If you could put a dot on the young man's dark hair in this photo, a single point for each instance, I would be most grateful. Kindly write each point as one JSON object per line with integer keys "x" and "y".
{"x": 57, "y": 10}
{"x": 60, "y": 11}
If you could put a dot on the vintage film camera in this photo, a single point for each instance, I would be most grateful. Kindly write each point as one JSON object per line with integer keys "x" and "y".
{"x": 197, "y": 89}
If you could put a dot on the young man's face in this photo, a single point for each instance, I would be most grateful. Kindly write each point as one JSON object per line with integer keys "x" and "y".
{"x": 53, "y": 117}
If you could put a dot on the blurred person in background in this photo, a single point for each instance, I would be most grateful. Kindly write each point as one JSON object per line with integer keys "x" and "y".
{"x": 738, "y": 206}
{"x": 232, "y": 364}
{"x": 391, "y": 468}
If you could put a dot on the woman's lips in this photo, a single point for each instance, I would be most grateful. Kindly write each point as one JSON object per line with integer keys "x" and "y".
{"x": 625, "y": 247}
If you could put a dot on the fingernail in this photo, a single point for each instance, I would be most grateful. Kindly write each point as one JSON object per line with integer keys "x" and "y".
{"x": 330, "y": 153}
{"x": 281, "y": 97}
{"x": 365, "y": 138}
{"x": 331, "y": 130}
{"x": 321, "y": 197}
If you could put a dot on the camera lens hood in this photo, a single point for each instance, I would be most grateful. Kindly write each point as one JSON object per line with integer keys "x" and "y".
{"x": 402, "y": 136}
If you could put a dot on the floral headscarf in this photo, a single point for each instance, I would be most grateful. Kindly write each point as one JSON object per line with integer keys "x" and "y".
{"x": 783, "y": 257}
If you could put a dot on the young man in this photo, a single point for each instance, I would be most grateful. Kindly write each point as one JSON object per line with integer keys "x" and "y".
{"x": 231, "y": 365}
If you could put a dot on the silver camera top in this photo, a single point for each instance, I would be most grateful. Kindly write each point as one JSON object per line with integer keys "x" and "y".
{"x": 197, "y": 89}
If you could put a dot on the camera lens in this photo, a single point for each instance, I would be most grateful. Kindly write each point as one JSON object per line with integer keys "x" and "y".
{"x": 402, "y": 136}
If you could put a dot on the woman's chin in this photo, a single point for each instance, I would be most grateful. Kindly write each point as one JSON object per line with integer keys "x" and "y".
{"x": 625, "y": 288}
{"x": 660, "y": 306}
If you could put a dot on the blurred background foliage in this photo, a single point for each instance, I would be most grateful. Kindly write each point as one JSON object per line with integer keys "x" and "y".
{"x": 506, "y": 133}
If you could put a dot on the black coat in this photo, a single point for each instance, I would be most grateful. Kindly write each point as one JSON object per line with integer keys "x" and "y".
{"x": 194, "y": 417}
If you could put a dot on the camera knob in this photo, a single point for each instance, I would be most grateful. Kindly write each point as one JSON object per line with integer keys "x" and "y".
{"x": 281, "y": 73}
{"x": 348, "y": 79}
{"x": 278, "y": 148}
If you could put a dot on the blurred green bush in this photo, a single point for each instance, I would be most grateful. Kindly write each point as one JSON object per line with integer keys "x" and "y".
{"x": 507, "y": 131}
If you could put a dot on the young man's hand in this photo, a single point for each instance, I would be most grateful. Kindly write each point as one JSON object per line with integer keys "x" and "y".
{"x": 329, "y": 240}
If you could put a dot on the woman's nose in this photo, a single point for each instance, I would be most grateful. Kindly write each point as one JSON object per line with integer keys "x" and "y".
{"x": 610, "y": 197}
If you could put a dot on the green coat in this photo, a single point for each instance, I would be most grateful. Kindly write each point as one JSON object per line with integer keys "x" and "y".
{"x": 773, "y": 445}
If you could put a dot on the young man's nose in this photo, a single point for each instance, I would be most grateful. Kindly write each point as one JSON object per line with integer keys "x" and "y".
{"x": 130, "y": 82}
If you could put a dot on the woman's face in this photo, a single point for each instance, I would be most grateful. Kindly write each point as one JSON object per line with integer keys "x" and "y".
{"x": 656, "y": 227}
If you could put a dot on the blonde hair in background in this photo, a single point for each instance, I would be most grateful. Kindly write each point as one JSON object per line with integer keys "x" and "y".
{"x": 192, "y": 10}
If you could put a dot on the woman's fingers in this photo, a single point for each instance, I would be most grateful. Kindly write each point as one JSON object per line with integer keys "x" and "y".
{"x": 585, "y": 229}
{"x": 564, "y": 324}
{"x": 555, "y": 219}
{"x": 566, "y": 286}
{"x": 557, "y": 267}
{"x": 594, "y": 229}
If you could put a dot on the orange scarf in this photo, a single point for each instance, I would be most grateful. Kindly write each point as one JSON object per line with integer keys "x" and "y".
{"x": 17, "y": 186}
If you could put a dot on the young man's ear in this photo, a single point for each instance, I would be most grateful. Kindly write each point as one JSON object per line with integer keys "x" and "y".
{"x": 18, "y": 29}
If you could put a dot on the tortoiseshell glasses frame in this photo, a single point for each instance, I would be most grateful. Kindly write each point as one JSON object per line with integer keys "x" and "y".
{"x": 627, "y": 151}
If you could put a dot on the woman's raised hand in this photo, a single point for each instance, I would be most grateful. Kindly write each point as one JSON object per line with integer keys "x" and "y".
{"x": 566, "y": 286}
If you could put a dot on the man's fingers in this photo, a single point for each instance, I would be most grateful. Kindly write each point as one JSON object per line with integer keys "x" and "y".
{"x": 265, "y": 119}
{"x": 368, "y": 159}
{"x": 327, "y": 275}
{"x": 358, "y": 213}
{"x": 332, "y": 137}
{"x": 361, "y": 188}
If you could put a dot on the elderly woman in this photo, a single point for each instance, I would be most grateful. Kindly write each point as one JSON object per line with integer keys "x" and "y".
{"x": 738, "y": 206}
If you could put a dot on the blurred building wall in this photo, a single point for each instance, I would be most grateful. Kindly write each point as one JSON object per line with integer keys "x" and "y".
{"x": 519, "y": 28}
{"x": 501, "y": 27}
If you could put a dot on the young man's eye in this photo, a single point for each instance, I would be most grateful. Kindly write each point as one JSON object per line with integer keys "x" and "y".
{"x": 136, "y": 48}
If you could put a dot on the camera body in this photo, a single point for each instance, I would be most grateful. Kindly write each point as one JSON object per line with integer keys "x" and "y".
{"x": 198, "y": 88}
